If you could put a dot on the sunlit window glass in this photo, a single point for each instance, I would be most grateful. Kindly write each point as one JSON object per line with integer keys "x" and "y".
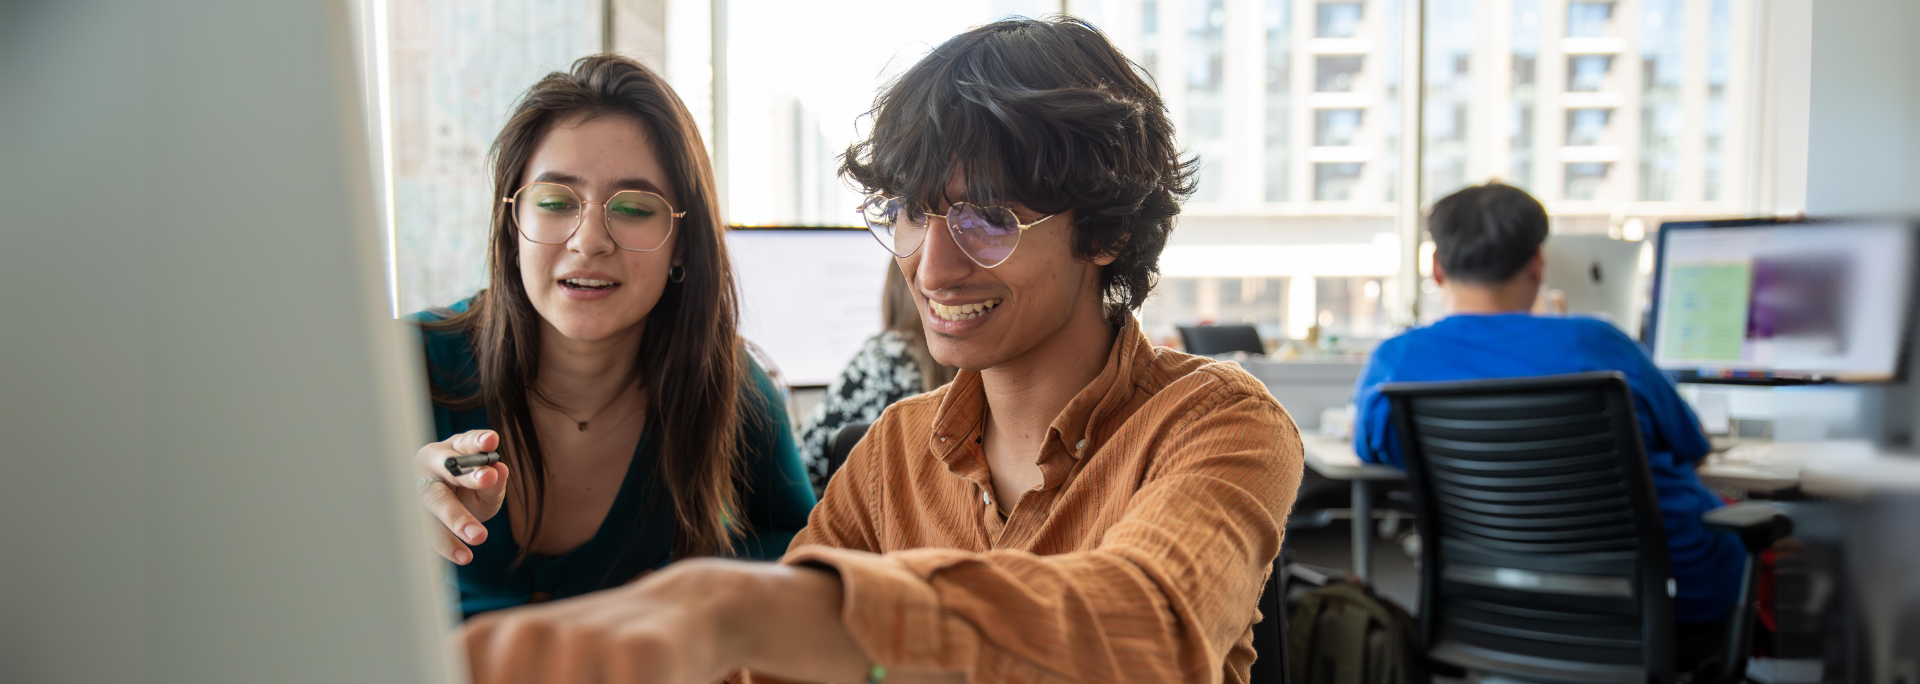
{"x": 1337, "y": 19}
{"x": 456, "y": 69}
{"x": 1719, "y": 75}
{"x": 1662, "y": 67}
{"x": 1587, "y": 127}
{"x": 1337, "y": 73}
{"x": 1588, "y": 18}
{"x": 792, "y": 111}
{"x": 1588, "y": 73}
{"x": 1521, "y": 91}
{"x": 1336, "y": 127}
{"x": 1205, "y": 125}
{"x": 1279, "y": 99}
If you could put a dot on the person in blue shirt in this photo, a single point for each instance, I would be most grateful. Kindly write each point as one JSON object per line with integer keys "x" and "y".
{"x": 602, "y": 361}
{"x": 1488, "y": 262}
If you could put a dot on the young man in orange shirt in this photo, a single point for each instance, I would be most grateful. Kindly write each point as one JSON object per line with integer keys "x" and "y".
{"x": 1076, "y": 505}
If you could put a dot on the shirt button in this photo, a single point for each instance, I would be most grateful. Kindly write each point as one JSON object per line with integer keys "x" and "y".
{"x": 1082, "y": 444}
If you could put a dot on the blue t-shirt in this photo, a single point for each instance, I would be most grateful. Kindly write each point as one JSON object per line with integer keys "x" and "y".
{"x": 637, "y": 534}
{"x": 1706, "y": 565}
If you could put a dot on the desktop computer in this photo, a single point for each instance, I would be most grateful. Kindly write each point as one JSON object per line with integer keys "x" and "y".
{"x": 209, "y": 413}
{"x": 1780, "y": 302}
{"x": 809, "y": 296}
{"x": 1595, "y": 275}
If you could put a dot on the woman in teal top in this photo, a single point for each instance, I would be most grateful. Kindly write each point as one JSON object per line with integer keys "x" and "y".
{"x": 601, "y": 362}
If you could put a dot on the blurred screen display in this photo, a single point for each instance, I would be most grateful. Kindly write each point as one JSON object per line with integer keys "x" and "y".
{"x": 808, "y": 297}
{"x": 1808, "y": 301}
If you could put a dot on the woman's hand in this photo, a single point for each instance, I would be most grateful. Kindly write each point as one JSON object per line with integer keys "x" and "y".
{"x": 462, "y": 503}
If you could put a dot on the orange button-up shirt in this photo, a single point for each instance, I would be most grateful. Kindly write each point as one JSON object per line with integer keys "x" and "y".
{"x": 1140, "y": 558}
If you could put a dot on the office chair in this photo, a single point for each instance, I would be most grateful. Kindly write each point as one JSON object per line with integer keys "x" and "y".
{"x": 842, "y": 444}
{"x": 1207, "y": 340}
{"x": 1544, "y": 557}
{"x": 1270, "y": 633}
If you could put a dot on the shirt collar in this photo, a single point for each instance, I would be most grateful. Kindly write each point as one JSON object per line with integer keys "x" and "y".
{"x": 957, "y": 421}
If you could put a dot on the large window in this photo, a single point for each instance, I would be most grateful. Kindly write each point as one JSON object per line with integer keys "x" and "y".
{"x": 1618, "y": 114}
{"x": 453, "y": 69}
{"x": 800, "y": 78}
{"x": 1293, "y": 109}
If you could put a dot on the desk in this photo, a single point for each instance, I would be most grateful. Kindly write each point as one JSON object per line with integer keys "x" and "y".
{"x": 1861, "y": 474}
{"x": 1768, "y": 467}
{"x": 1307, "y": 387}
{"x": 1335, "y": 459}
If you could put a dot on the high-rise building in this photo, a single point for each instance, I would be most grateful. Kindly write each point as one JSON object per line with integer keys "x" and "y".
{"x": 1617, "y": 114}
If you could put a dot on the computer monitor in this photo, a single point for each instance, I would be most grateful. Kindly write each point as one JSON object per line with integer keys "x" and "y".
{"x": 809, "y": 297}
{"x": 1207, "y": 340}
{"x": 1597, "y": 276}
{"x": 1760, "y": 301}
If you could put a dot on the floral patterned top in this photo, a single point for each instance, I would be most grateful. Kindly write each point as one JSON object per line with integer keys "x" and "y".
{"x": 881, "y": 374}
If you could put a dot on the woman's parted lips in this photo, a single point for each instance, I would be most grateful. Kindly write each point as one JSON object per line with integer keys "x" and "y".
{"x": 590, "y": 280}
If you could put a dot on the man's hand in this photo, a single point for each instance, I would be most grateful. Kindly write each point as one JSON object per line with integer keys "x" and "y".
{"x": 693, "y": 623}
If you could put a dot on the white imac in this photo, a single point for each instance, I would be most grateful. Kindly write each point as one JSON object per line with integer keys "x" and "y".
{"x": 208, "y": 409}
{"x": 1597, "y": 276}
{"x": 1776, "y": 302}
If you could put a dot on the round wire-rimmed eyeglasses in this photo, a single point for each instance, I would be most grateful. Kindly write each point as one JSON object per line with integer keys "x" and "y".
{"x": 987, "y": 235}
{"x": 550, "y": 213}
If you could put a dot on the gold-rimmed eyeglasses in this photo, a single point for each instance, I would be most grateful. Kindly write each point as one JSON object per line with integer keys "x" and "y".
{"x": 987, "y": 235}
{"x": 550, "y": 213}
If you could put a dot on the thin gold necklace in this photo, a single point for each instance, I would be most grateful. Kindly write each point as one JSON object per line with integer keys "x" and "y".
{"x": 580, "y": 423}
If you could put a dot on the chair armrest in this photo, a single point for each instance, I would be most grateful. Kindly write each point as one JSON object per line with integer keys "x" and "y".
{"x": 1313, "y": 575}
{"x": 1758, "y": 524}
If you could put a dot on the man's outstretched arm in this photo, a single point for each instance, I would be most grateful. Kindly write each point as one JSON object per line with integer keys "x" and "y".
{"x": 1164, "y": 597}
{"x": 695, "y": 622}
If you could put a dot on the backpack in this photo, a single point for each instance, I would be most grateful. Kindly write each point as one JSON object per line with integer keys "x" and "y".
{"x": 1344, "y": 634}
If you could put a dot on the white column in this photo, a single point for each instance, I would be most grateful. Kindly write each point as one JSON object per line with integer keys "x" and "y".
{"x": 1303, "y": 306}
{"x": 1412, "y": 81}
{"x": 1549, "y": 117}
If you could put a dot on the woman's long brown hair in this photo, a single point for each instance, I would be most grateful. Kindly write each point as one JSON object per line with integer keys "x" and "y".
{"x": 689, "y": 361}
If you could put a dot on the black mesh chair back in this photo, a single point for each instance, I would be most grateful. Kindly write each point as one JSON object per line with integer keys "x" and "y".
{"x": 1544, "y": 557}
{"x": 1207, "y": 340}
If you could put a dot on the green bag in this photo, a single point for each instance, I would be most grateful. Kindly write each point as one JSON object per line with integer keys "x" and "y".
{"x": 1343, "y": 634}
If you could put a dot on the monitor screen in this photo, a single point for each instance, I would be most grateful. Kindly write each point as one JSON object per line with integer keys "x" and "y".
{"x": 1760, "y": 301}
{"x": 808, "y": 297}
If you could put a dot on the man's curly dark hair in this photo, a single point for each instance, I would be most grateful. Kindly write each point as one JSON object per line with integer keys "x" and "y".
{"x": 1046, "y": 113}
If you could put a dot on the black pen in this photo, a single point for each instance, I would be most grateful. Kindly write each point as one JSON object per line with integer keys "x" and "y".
{"x": 460, "y": 465}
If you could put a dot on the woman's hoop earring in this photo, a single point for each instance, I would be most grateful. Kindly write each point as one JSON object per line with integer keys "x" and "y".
{"x": 676, "y": 273}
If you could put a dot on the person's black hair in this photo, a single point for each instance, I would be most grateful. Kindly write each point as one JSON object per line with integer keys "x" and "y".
{"x": 1048, "y": 114}
{"x": 1486, "y": 233}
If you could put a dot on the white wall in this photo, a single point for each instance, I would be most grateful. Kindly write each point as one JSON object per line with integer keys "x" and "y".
{"x": 1863, "y": 145}
{"x": 203, "y": 409}
{"x": 1863, "y": 141}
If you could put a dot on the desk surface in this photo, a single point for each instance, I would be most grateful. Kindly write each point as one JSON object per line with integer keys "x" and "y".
{"x": 1861, "y": 473}
{"x": 1335, "y": 459}
{"x": 1828, "y": 468}
{"x": 1825, "y": 468}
